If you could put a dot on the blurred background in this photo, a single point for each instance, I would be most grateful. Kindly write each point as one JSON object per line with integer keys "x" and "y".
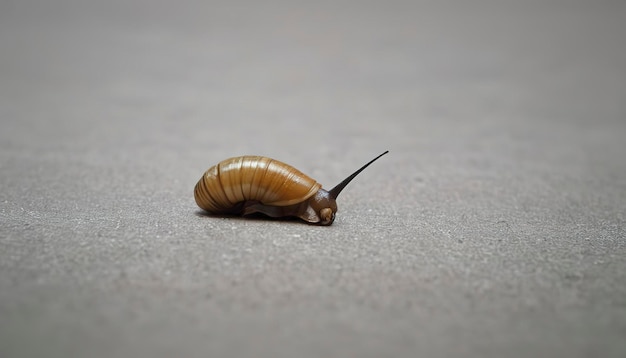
{"x": 495, "y": 226}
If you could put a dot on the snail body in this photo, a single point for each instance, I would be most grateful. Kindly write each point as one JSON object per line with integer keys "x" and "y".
{"x": 254, "y": 184}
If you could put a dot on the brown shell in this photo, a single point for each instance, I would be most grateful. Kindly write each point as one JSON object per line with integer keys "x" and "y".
{"x": 248, "y": 177}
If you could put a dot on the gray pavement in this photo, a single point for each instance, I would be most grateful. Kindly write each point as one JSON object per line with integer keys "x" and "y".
{"x": 494, "y": 228}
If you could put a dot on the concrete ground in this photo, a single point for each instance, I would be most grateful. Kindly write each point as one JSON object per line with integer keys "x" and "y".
{"x": 495, "y": 227}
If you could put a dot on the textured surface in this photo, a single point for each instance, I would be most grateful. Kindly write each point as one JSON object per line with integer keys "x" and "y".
{"x": 495, "y": 227}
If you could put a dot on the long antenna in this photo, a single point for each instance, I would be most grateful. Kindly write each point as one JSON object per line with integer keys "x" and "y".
{"x": 334, "y": 192}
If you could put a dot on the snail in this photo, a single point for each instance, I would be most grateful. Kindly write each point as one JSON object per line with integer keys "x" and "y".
{"x": 253, "y": 184}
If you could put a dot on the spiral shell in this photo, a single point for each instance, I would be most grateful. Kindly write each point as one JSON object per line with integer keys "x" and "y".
{"x": 252, "y": 178}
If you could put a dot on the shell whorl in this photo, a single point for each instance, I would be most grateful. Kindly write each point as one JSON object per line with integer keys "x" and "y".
{"x": 258, "y": 178}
